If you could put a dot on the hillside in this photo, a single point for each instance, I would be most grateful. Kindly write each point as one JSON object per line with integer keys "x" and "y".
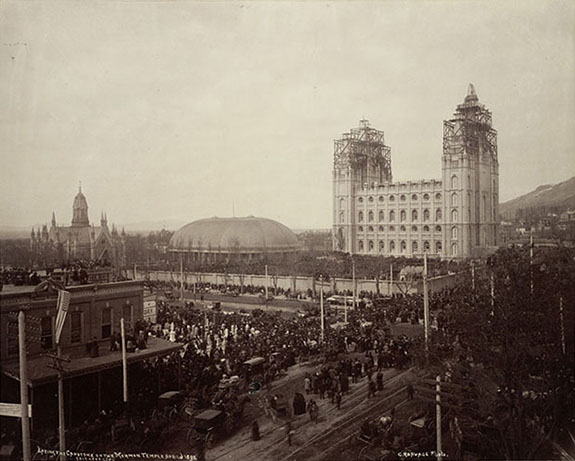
{"x": 552, "y": 198}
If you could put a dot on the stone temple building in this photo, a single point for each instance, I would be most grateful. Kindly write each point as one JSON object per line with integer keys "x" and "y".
{"x": 57, "y": 245}
{"x": 452, "y": 217}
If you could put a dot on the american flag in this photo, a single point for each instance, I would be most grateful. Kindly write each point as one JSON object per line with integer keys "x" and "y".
{"x": 63, "y": 303}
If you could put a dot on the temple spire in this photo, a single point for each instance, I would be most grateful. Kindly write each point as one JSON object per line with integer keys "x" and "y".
{"x": 471, "y": 94}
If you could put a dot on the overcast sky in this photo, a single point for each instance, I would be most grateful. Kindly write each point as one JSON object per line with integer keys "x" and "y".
{"x": 187, "y": 110}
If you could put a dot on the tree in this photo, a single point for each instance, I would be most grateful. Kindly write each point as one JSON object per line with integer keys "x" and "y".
{"x": 507, "y": 352}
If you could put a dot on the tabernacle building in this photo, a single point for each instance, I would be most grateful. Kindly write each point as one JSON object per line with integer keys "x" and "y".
{"x": 452, "y": 217}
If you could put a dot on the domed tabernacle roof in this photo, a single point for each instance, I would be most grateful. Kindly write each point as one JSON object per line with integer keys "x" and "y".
{"x": 243, "y": 235}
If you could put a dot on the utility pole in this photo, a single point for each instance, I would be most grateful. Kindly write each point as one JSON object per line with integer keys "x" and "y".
{"x": 23, "y": 387}
{"x": 531, "y": 262}
{"x": 438, "y": 416}
{"x": 473, "y": 276}
{"x": 124, "y": 361}
{"x": 321, "y": 307}
{"x": 182, "y": 277}
{"x": 266, "y": 293}
{"x": 492, "y": 283}
{"x": 353, "y": 281}
{"x": 425, "y": 307}
{"x": 562, "y": 324}
{"x": 390, "y": 279}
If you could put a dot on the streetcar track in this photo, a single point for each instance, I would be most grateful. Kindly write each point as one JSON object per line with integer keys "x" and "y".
{"x": 354, "y": 399}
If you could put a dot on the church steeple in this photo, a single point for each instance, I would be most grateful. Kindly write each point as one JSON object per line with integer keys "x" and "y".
{"x": 80, "y": 210}
{"x": 53, "y": 219}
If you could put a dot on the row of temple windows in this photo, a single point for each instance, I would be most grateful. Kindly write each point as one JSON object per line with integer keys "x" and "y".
{"x": 454, "y": 198}
{"x": 402, "y": 198}
{"x": 403, "y": 246}
{"x": 74, "y": 320}
{"x": 413, "y": 229}
{"x": 401, "y": 228}
{"x": 402, "y": 216}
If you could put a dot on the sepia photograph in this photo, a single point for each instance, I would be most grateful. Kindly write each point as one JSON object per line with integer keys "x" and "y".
{"x": 287, "y": 230}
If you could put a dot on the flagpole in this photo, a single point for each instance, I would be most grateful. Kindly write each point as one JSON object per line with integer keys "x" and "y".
{"x": 23, "y": 387}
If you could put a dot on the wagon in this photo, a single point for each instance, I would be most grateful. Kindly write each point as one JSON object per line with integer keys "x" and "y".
{"x": 206, "y": 424}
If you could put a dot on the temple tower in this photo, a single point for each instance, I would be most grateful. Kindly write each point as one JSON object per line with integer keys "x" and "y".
{"x": 361, "y": 159}
{"x": 470, "y": 180}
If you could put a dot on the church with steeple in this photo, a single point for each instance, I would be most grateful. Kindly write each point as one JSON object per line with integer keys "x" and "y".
{"x": 57, "y": 245}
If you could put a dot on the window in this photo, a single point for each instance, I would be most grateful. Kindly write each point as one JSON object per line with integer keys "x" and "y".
{"x": 392, "y": 216}
{"x": 12, "y": 337}
{"x": 370, "y": 229}
{"x": 360, "y": 216}
{"x": 438, "y": 247}
{"x": 370, "y": 245}
{"x": 370, "y": 216}
{"x": 426, "y": 215}
{"x": 454, "y": 215}
{"x": 403, "y": 246}
{"x": 391, "y": 246}
{"x": 360, "y": 200}
{"x": 392, "y": 198}
{"x": 437, "y": 228}
{"x": 381, "y": 198}
{"x": 426, "y": 246}
{"x": 341, "y": 217}
{"x": 426, "y": 197}
{"x": 438, "y": 214}
{"x": 127, "y": 313}
{"x": 361, "y": 245}
{"x": 381, "y": 246}
{"x": 413, "y": 197}
{"x": 380, "y": 228}
{"x": 46, "y": 332}
{"x": 402, "y": 197}
{"x": 106, "y": 322}
{"x": 414, "y": 228}
{"x": 360, "y": 229}
{"x": 454, "y": 233}
{"x": 381, "y": 216}
{"x": 402, "y": 215}
{"x": 414, "y": 247}
{"x": 425, "y": 228}
{"x": 75, "y": 327}
{"x": 454, "y": 182}
{"x": 370, "y": 199}
{"x": 391, "y": 228}
{"x": 454, "y": 249}
{"x": 438, "y": 196}
{"x": 414, "y": 215}
{"x": 454, "y": 199}
{"x": 341, "y": 203}
{"x": 402, "y": 228}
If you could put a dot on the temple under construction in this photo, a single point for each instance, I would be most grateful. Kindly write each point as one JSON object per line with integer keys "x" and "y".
{"x": 454, "y": 217}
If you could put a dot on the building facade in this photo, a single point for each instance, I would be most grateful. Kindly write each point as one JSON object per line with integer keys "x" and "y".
{"x": 57, "y": 245}
{"x": 452, "y": 217}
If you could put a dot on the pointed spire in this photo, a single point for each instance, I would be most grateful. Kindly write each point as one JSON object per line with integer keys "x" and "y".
{"x": 53, "y": 219}
{"x": 471, "y": 94}
{"x": 80, "y": 187}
